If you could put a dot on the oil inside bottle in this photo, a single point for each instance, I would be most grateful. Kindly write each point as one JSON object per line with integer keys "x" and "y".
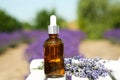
{"x": 53, "y": 57}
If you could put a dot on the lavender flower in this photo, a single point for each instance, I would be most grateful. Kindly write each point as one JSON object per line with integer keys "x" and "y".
{"x": 14, "y": 38}
{"x": 9, "y": 39}
{"x": 31, "y": 36}
{"x": 70, "y": 38}
{"x": 85, "y": 67}
{"x": 113, "y": 35}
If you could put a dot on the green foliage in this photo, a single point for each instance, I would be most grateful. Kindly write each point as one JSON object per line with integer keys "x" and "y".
{"x": 43, "y": 19}
{"x": 96, "y": 16}
{"x": 114, "y": 16}
{"x": 8, "y": 23}
{"x": 27, "y": 26}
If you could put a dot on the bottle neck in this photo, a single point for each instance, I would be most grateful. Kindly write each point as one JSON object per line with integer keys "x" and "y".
{"x": 53, "y": 35}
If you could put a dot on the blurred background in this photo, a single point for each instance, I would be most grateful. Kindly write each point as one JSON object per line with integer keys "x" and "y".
{"x": 89, "y": 28}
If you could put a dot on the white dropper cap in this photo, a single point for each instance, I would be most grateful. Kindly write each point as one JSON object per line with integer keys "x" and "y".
{"x": 53, "y": 28}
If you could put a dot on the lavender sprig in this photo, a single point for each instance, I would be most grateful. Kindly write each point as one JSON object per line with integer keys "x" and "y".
{"x": 85, "y": 67}
{"x": 91, "y": 68}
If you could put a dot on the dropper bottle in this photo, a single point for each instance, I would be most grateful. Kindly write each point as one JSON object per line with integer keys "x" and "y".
{"x": 53, "y": 52}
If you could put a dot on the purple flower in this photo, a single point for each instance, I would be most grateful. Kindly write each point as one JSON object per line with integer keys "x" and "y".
{"x": 85, "y": 67}
{"x": 113, "y": 35}
{"x": 71, "y": 40}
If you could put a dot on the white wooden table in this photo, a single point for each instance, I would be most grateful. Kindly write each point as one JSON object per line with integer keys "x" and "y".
{"x": 36, "y": 74}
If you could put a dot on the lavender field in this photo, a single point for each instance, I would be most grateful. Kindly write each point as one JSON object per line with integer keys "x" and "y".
{"x": 113, "y": 35}
{"x": 36, "y": 39}
{"x": 17, "y": 37}
{"x": 23, "y": 46}
{"x": 71, "y": 40}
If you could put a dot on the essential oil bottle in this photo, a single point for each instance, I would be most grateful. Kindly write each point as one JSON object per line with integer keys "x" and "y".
{"x": 53, "y": 52}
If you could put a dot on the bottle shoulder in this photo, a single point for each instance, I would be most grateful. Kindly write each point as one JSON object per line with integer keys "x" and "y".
{"x": 54, "y": 41}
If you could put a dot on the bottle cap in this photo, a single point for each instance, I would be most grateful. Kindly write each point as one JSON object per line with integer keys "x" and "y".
{"x": 53, "y": 28}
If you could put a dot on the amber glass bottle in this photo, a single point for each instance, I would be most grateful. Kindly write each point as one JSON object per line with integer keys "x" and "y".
{"x": 53, "y": 52}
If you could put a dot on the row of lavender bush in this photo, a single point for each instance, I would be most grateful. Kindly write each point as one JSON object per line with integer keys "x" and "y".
{"x": 14, "y": 38}
{"x": 8, "y": 39}
{"x": 36, "y": 39}
{"x": 113, "y": 35}
{"x": 70, "y": 38}
{"x": 71, "y": 41}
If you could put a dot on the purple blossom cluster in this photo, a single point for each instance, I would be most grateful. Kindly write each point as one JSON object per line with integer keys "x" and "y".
{"x": 14, "y": 38}
{"x": 9, "y": 39}
{"x": 91, "y": 68}
{"x": 31, "y": 36}
{"x": 71, "y": 40}
{"x": 85, "y": 67}
{"x": 113, "y": 35}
